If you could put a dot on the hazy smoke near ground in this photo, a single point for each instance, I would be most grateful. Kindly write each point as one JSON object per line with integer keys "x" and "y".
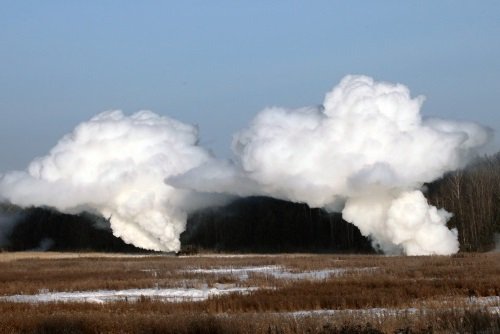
{"x": 7, "y": 223}
{"x": 115, "y": 165}
{"x": 367, "y": 151}
{"x": 497, "y": 242}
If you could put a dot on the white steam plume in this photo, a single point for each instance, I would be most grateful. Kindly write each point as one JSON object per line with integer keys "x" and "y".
{"x": 366, "y": 150}
{"x": 116, "y": 164}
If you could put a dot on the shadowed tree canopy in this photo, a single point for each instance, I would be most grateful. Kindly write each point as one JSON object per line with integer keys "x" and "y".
{"x": 263, "y": 224}
{"x": 47, "y": 229}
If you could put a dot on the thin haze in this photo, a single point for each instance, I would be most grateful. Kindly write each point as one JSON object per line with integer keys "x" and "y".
{"x": 217, "y": 63}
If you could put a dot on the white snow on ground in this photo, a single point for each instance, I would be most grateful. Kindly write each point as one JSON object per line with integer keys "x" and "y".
{"x": 241, "y": 273}
{"x": 182, "y": 294}
{"x": 238, "y": 256}
{"x": 491, "y": 304}
{"x": 484, "y": 300}
{"x": 132, "y": 295}
{"x": 368, "y": 311}
{"x": 279, "y": 272}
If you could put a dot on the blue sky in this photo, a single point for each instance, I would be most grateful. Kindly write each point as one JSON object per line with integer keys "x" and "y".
{"x": 217, "y": 63}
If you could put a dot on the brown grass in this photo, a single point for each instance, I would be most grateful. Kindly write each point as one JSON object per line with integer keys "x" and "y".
{"x": 13, "y": 256}
{"x": 143, "y": 318}
{"x": 396, "y": 283}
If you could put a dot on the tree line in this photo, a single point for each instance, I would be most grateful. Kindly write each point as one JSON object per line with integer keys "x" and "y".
{"x": 262, "y": 224}
{"x": 473, "y": 196}
{"x": 46, "y": 229}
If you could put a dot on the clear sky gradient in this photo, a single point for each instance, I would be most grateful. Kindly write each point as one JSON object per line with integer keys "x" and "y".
{"x": 217, "y": 63}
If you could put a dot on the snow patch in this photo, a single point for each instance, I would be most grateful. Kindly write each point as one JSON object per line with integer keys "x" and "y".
{"x": 279, "y": 272}
{"x": 490, "y": 303}
{"x": 131, "y": 295}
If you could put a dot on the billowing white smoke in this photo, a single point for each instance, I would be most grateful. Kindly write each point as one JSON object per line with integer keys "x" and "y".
{"x": 367, "y": 150}
{"x": 369, "y": 147}
{"x": 116, "y": 164}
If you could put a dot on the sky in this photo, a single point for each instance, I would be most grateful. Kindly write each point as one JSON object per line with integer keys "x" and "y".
{"x": 217, "y": 63}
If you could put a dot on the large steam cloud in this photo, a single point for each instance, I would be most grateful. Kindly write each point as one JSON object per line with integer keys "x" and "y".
{"x": 365, "y": 152}
{"x": 116, "y": 165}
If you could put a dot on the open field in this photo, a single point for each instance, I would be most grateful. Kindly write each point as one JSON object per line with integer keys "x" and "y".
{"x": 13, "y": 256}
{"x": 46, "y": 292}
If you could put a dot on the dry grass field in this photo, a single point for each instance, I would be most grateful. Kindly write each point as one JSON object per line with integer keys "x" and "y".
{"x": 296, "y": 293}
